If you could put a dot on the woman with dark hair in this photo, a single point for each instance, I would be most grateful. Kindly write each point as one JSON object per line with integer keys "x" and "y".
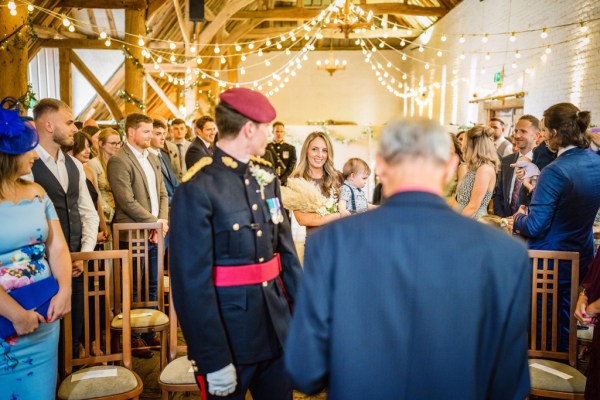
{"x": 316, "y": 165}
{"x": 475, "y": 189}
{"x": 36, "y": 268}
{"x": 565, "y": 200}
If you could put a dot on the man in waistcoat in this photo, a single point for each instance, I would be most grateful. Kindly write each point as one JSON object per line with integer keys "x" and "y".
{"x": 63, "y": 178}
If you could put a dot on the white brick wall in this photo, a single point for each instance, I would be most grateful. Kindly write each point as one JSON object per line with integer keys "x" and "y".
{"x": 570, "y": 74}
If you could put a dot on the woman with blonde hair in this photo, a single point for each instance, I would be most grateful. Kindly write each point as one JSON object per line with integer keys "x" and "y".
{"x": 109, "y": 143}
{"x": 316, "y": 166}
{"x": 475, "y": 190}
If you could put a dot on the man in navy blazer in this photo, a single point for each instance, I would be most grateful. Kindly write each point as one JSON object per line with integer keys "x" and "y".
{"x": 526, "y": 131}
{"x": 203, "y": 143}
{"x": 412, "y": 300}
{"x": 159, "y": 132}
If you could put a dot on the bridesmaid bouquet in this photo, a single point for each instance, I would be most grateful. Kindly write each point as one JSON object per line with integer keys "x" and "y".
{"x": 305, "y": 196}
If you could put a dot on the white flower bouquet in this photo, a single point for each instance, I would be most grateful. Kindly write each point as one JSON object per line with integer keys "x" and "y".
{"x": 305, "y": 196}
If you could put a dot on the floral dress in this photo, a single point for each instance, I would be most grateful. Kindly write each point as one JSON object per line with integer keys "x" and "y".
{"x": 28, "y": 364}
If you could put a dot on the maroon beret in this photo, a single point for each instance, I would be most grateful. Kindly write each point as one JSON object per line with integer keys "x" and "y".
{"x": 249, "y": 103}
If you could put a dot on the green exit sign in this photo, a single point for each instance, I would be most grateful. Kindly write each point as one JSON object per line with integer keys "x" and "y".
{"x": 498, "y": 77}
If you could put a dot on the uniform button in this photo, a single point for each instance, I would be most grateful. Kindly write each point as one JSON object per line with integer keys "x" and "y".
{"x": 192, "y": 362}
{"x": 254, "y": 207}
{"x": 259, "y": 233}
{"x": 247, "y": 182}
{"x": 265, "y": 284}
{"x": 236, "y": 227}
{"x": 195, "y": 369}
{"x": 261, "y": 259}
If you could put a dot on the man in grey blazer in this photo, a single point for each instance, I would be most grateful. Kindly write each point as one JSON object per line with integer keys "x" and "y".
{"x": 140, "y": 196}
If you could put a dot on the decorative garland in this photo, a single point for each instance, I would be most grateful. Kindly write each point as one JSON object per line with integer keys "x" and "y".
{"x": 28, "y": 100}
{"x": 365, "y": 133}
{"x": 128, "y": 98}
{"x": 136, "y": 61}
{"x": 16, "y": 40}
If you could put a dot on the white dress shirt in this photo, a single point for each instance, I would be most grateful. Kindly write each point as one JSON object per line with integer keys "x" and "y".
{"x": 150, "y": 178}
{"x": 87, "y": 210}
{"x": 563, "y": 149}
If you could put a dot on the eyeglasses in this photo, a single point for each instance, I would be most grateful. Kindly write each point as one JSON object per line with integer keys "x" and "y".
{"x": 118, "y": 144}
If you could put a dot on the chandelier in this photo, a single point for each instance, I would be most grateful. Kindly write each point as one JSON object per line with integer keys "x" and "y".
{"x": 345, "y": 17}
{"x": 331, "y": 64}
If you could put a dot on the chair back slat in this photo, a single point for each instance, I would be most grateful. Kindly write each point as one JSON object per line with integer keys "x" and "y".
{"x": 546, "y": 266}
{"x": 97, "y": 275}
{"x": 174, "y": 346}
{"x": 135, "y": 236}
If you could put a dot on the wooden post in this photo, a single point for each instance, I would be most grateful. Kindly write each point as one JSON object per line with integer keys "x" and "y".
{"x": 13, "y": 58}
{"x": 134, "y": 26}
{"x": 66, "y": 81}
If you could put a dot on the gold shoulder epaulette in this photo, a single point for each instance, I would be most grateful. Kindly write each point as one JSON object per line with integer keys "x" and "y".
{"x": 229, "y": 162}
{"x": 262, "y": 161}
{"x": 203, "y": 162}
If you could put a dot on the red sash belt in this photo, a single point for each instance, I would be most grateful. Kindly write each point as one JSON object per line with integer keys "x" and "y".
{"x": 251, "y": 274}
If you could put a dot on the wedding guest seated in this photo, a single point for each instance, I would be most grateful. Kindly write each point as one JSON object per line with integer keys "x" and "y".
{"x": 35, "y": 263}
{"x": 353, "y": 199}
{"x": 315, "y": 166}
{"x": 398, "y": 303}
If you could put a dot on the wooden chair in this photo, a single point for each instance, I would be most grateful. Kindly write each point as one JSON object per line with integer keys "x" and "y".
{"x": 544, "y": 369}
{"x": 146, "y": 315}
{"x": 121, "y": 382}
{"x": 178, "y": 375}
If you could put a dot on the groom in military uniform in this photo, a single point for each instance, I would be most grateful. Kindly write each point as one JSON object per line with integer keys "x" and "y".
{"x": 234, "y": 268}
{"x": 284, "y": 154}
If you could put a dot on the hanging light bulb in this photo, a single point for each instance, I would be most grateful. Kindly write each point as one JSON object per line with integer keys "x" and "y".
{"x": 381, "y": 45}
{"x": 279, "y": 46}
{"x": 487, "y": 57}
{"x": 583, "y": 27}
{"x": 287, "y": 52}
{"x": 243, "y": 71}
{"x": 102, "y": 35}
{"x": 172, "y": 58}
{"x": 193, "y": 49}
{"x": 403, "y": 57}
{"x": 513, "y": 37}
{"x": 409, "y": 32}
{"x": 30, "y": 8}
{"x": 260, "y": 53}
{"x": 223, "y": 60}
{"x": 439, "y": 53}
{"x": 162, "y": 73}
{"x": 421, "y": 49}
{"x": 426, "y": 66}
{"x": 65, "y": 21}
{"x": 107, "y": 43}
{"x": 141, "y": 42}
{"x": 402, "y": 43}
{"x": 544, "y": 34}
{"x": 517, "y": 54}
{"x": 586, "y": 39}
{"x": 267, "y": 63}
{"x": 463, "y": 56}
{"x": 238, "y": 47}
{"x": 243, "y": 58}
{"x": 462, "y": 39}
{"x": 71, "y": 28}
{"x": 172, "y": 45}
{"x": 548, "y": 50}
{"x": 514, "y": 64}
{"x": 484, "y": 39}
{"x": 159, "y": 59}
{"x": 444, "y": 38}
{"x": 250, "y": 45}
{"x": 404, "y": 76}
{"x": 216, "y": 74}
{"x": 544, "y": 57}
{"x": 217, "y": 50}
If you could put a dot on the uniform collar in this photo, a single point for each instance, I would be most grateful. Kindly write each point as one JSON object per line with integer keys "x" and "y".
{"x": 228, "y": 162}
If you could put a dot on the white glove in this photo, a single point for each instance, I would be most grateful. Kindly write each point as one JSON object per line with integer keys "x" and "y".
{"x": 222, "y": 382}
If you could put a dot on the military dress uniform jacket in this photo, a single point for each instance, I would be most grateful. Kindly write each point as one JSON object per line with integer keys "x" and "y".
{"x": 285, "y": 159}
{"x": 218, "y": 218}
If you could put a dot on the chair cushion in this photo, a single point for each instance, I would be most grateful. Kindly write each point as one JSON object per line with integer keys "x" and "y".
{"x": 141, "y": 317}
{"x": 548, "y": 381}
{"x": 124, "y": 382}
{"x": 585, "y": 334}
{"x": 178, "y": 372}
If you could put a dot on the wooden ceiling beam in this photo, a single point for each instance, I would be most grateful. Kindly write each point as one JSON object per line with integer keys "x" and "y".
{"x": 181, "y": 22}
{"x": 79, "y": 44}
{"x": 107, "y": 4}
{"x": 209, "y": 32}
{"x": 294, "y": 13}
{"x": 108, "y": 99}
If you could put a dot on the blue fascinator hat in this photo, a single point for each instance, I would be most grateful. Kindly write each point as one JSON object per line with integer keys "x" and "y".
{"x": 17, "y": 135}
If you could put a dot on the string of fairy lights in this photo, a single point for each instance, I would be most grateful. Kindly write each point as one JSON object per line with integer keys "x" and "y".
{"x": 159, "y": 56}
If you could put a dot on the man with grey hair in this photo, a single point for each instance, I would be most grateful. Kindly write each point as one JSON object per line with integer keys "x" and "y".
{"x": 412, "y": 300}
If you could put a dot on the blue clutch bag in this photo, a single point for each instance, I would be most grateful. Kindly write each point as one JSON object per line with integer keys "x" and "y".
{"x": 36, "y": 296}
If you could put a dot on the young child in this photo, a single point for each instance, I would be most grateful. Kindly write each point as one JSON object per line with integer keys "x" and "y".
{"x": 353, "y": 199}
{"x": 532, "y": 172}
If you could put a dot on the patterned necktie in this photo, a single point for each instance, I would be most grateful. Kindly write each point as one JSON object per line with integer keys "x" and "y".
{"x": 210, "y": 150}
{"x": 515, "y": 195}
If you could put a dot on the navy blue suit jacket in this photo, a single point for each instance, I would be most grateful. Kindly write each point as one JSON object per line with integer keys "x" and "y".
{"x": 195, "y": 152}
{"x": 564, "y": 204}
{"x": 412, "y": 301}
{"x": 169, "y": 176}
{"x": 503, "y": 182}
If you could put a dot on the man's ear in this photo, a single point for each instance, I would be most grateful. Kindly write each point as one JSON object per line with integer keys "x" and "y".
{"x": 248, "y": 129}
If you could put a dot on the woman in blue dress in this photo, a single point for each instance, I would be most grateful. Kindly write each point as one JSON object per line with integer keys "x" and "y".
{"x": 32, "y": 248}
